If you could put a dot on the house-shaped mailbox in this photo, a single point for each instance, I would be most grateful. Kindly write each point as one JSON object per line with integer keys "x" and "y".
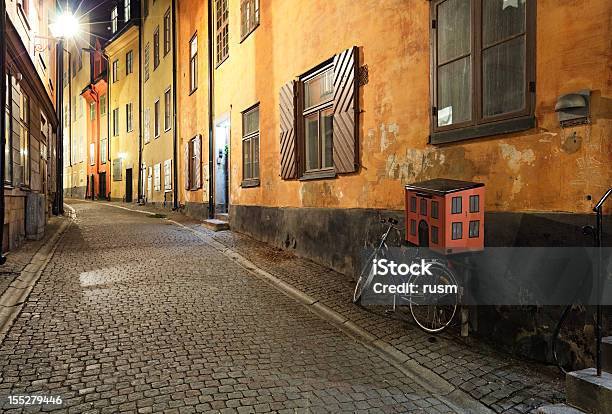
{"x": 445, "y": 215}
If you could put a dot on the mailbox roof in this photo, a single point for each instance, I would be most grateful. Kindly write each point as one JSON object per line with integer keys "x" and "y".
{"x": 443, "y": 186}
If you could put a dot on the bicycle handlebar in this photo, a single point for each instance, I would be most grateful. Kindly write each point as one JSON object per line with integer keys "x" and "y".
{"x": 389, "y": 220}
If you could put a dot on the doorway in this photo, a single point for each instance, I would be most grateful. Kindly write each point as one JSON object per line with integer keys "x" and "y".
{"x": 423, "y": 234}
{"x": 102, "y": 186}
{"x": 128, "y": 185}
{"x": 221, "y": 156}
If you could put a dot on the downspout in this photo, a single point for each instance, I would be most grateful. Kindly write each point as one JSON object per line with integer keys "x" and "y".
{"x": 211, "y": 200}
{"x": 140, "y": 122}
{"x": 174, "y": 106}
{"x": 109, "y": 167}
{"x": 3, "y": 91}
{"x": 69, "y": 104}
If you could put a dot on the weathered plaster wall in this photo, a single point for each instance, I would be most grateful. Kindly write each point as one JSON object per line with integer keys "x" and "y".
{"x": 543, "y": 169}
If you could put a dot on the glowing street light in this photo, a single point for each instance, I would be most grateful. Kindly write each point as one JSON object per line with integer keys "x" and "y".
{"x": 66, "y": 26}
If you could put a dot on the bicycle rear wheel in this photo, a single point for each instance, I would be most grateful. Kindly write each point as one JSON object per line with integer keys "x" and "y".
{"x": 435, "y": 306}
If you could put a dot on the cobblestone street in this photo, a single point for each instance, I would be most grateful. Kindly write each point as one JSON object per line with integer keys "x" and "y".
{"x": 136, "y": 314}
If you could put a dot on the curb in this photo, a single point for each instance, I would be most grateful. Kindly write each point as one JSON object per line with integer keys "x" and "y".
{"x": 15, "y": 296}
{"x": 429, "y": 380}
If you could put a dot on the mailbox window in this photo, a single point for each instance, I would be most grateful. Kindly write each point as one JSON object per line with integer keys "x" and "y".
{"x": 474, "y": 229}
{"x": 413, "y": 227}
{"x": 423, "y": 207}
{"x": 456, "y": 208}
{"x": 434, "y": 234}
{"x": 413, "y": 204}
{"x": 434, "y": 209}
{"x": 457, "y": 231}
{"x": 474, "y": 204}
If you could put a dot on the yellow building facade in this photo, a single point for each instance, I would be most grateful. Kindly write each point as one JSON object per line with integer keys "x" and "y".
{"x": 158, "y": 135}
{"x": 124, "y": 92}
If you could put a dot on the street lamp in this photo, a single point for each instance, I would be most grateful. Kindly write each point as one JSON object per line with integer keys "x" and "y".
{"x": 65, "y": 26}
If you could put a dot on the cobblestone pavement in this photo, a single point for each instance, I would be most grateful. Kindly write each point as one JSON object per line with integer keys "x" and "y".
{"x": 504, "y": 384}
{"x": 135, "y": 314}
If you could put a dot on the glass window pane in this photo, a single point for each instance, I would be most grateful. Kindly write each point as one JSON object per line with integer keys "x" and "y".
{"x": 255, "y": 144}
{"x": 327, "y": 124}
{"x": 319, "y": 89}
{"x": 246, "y": 158}
{"x": 453, "y": 29}
{"x": 504, "y": 77}
{"x": 251, "y": 121}
{"x": 501, "y": 19}
{"x": 312, "y": 142}
{"x": 454, "y": 92}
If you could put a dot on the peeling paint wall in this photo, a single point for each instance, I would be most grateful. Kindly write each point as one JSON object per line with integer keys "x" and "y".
{"x": 543, "y": 169}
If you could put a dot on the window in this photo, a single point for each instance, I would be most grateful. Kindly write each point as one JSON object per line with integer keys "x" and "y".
{"x": 457, "y": 230}
{"x": 413, "y": 227}
{"x": 117, "y": 169}
{"x": 115, "y": 70}
{"x": 92, "y": 111}
{"x": 193, "y": 173}
{"x": 103, "y": 152}
{"x": 483, "y": 65}
{"x": 423, "y": 207}
{"x": 318, "y": 121}
{"x": 92, "y": 154}
{"x": 456, "y": 205}
{"x": 129, "y": 62}
{"x": 115, "y": 122}
{"x": 157, "y": 177}
{"x": 127, "y": 10}
{"x": 147, "y": 125}
{"x": 250, "y": 146}
{"x": 249, "y": 16}
{"x": 193, "y": 63}
{"x": 435, "y": 235}
{"x": 128, "y": 117}
{"x": 167, "y": 110}
{"x": 156, "y": 48}
{"x": 413, "y": 204}
{"x": 147, "y": 58}
{"x": 103, "y": 105}
{"x": 474, "y": 229}
{"x": 474, "y": 204}
{"x": 24, "y": 134}
{"x": 435, "y": 208}
{"x": 114, "y": 18}
{"x": 167, "y": 34}
{"x": 222, "y": 30}
{"x": 168, "y": 175}
{"x": 156, "y": 115}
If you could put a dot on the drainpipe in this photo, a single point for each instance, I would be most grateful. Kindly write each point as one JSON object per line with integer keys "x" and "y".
{"x": 3, "y": 91}
{"x": 174, "y": 105}
{"x": 211, "y": 200}
{"x": 140, "y": 197}
{"x": 109, "y": 167}
{"x": 59, "y": 182}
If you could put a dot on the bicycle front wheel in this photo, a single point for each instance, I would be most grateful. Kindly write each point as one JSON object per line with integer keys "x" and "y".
{"x": 365, "y": 277}
{"x": 434, "y": 306}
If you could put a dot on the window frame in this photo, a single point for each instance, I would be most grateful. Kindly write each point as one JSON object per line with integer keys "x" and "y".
{"x": 156, "y": 120}
{"x": 115, "y": 70}
{"x": 129, "y": 117}
{"x": 302, "y": 113}
{"x": 248, "y": 26}
{"x": 221, "y": 24}
{"x": 251, "y": 180}
{"x": 479, "y": 125}
{"x": 167, "y": 32}
{"x": 193, "y": 64}
{"x": 127, "y": 10}
{"x": 114, "y": 19}
{"x": 115, "y": 122}
{"x": 156, "y": 56}
{"x": 129, "y": 63}
{"x": 168, "y": 109}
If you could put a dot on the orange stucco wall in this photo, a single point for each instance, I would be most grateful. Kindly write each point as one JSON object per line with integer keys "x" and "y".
{"x": 543, "y": 169}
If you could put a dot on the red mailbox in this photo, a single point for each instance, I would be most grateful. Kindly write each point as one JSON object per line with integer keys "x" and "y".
{"x": 445, "y": 215}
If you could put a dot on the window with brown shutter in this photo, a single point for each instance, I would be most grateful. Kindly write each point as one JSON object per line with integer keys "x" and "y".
{"x": 483, "y": 68}
{"x": 319, "y": 120}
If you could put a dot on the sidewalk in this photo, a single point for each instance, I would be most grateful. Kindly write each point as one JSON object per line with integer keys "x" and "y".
{"x": 502, "y": 383}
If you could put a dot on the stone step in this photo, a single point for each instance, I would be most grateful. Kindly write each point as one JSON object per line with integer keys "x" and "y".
{"x": 222, "y": 216}
{"x": 588, "y": 392}
{"x": 606, "y": 354}
{"x": 558, "y": 409}
{"x": 216, "y": 224}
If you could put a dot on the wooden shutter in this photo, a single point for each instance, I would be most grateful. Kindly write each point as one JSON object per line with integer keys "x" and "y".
{"x": 197, "y": 167}
{"x": 187, "y": 161}
{"x": 346, "y": 111}
{"x": 288, "y": 147}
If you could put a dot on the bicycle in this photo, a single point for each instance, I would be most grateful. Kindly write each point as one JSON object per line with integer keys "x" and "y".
{"x": 432, "y": 312}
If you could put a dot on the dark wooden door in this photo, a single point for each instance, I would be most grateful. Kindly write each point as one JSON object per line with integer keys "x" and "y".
{"x": 128, "y": 185}
{"x": 102, "y": 185}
